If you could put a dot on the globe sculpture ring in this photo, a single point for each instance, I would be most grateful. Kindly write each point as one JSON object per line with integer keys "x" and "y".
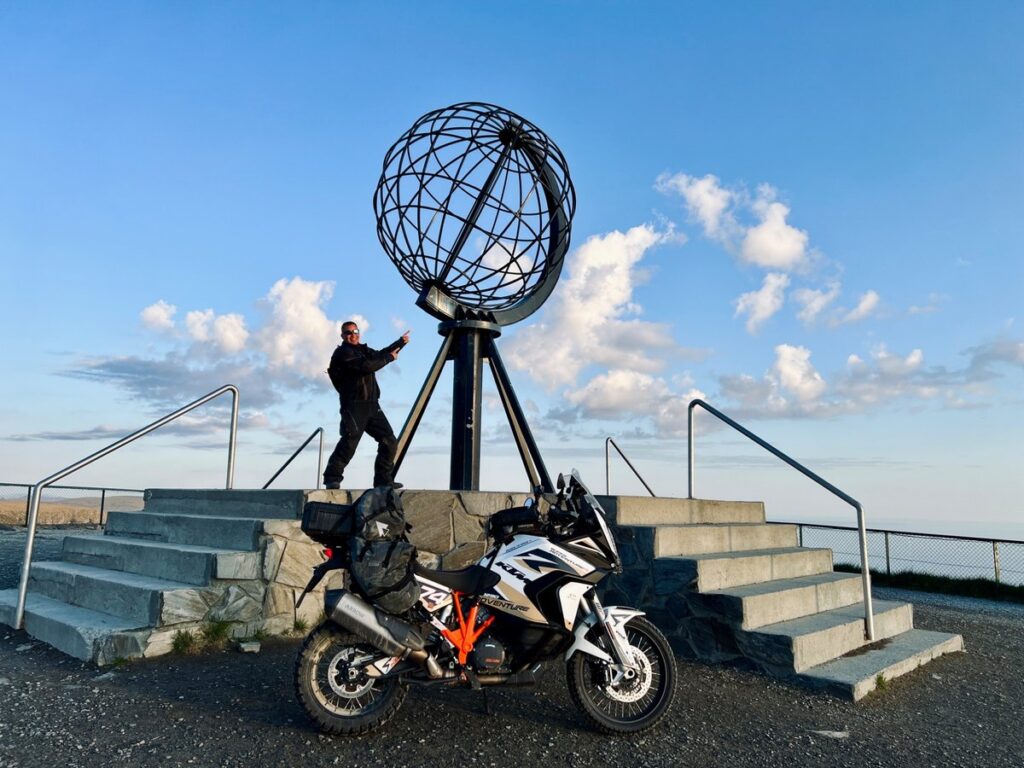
{"x": 474, "y": 207}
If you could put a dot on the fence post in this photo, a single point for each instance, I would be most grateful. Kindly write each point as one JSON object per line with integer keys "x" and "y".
{"x": 800, "y": 534}
{"x": 888, "y": 563}
{"x": 995, "y": 559}
{"x": 103, "y": 503}
{"x": 28, "y": 504}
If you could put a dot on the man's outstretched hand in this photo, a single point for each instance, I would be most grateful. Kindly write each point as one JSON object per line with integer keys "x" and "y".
{"x": 405, "y": 340}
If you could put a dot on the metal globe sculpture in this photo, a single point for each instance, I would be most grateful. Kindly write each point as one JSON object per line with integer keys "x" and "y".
{"x": 474, "y": 207}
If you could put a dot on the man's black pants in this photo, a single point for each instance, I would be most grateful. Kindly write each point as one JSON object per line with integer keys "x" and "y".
{"x": 357, "y": 418}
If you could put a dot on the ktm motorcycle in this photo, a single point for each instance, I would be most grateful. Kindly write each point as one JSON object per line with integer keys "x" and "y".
{"x": 530, "y": 600}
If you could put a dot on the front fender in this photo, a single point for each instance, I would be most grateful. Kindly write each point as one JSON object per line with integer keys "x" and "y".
{"x": 618, "y": 615}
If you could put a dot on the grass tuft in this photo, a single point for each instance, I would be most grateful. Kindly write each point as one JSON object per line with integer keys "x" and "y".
{"x": 215, "y": 634}
{"x": 300, "y": 626}
{"x": 184, "y": 643}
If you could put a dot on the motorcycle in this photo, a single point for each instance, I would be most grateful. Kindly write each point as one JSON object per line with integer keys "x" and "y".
{"x": 529, "y": 600}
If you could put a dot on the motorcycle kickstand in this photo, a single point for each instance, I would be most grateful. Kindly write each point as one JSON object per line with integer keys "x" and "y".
{"x": 474, "y": 683}
{"x": 487, "y": 703}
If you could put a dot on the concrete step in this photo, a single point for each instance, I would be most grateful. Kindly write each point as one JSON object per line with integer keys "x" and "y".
{"x": 142, "y": 600}
{"x": 856, "y": 674}
{"x": 208, "y": 530}
{"x": 79, "y": 632}
{"x": 799, "y": 644}
{"x": 670, "y": 541}
{"x": 227, "y": 503}
{"x": 721, "y": 570}
{"x": 648, "y": 510}
{"x": 189, "y": 563}
{"x": 770, "y": 602}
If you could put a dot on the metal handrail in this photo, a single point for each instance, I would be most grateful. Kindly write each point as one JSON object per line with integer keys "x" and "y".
{"x": 869, "y": 616}
{"x": 607, "y": 472}
{"x": 320, "y": 461}
{"x": 75, "y": 487}
{"x": 103, "y": 494}
{"x": 37, "y": 489}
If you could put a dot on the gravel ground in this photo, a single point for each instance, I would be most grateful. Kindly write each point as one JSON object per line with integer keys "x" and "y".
{"x": 232, "y": 709}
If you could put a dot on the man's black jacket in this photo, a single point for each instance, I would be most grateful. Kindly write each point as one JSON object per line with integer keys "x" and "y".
{"x": 352, "y": 368}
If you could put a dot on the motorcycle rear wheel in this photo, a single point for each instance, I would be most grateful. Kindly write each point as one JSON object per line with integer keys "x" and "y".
{"x": 338, "y": 702}
{"x": 628, "y": 706}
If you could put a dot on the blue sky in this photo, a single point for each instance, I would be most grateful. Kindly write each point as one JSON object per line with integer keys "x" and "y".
{"x": 808, "y": 213}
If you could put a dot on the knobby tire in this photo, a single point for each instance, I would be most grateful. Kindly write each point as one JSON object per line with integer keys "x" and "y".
{"x": 333, "y": 713}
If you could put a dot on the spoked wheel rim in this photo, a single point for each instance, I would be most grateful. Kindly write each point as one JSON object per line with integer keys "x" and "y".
{"x": 628, "y": 699}
{"x": 345, "y": 689}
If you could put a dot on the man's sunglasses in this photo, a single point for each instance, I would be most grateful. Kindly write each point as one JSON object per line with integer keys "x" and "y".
{"x": 350, "y": 333}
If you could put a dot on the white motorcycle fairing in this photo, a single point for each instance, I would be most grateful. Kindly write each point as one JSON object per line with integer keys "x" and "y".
{"x": 617, "y": 617}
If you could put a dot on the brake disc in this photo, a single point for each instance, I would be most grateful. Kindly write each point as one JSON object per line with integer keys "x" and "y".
{"x": 346, "y": 680}
{"x": 634, "y": 689}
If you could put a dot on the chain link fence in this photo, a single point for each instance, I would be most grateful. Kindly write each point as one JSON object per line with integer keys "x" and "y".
{"x": 958, "y": 557}
{"x": 66, "y": 504}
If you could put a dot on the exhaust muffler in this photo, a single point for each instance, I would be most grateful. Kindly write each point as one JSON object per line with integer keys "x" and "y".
{"x": 389, "y": 633}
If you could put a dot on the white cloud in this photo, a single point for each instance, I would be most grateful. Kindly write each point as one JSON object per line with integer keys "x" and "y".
{"x": 620, "y": 392}
{"x": 512, "y": 269}
{"x": 766, "y": 241}
{"x": 796, "y": 375}
{"x": 292, "y": 350}
{"x": 706, "y": 200}
{"x": 621, "y": 395}
{"x": 773, "y": 243}
{"x": 814, "y": 301}
{"x": 159, "y": 316}
{"x": 761, "y": 304}
{"x": 886, "y": 378}
{"x": 793, "y": 388}
{"x": 588, "y": 320}
{"x": 893, "y": 365}
{"x": 226, "y": 332}
{"x": 591, "y": 323}
{"x": 299, "y": 336}
{"x": 671, "y": 417}
{"x": 868, "y": 303}
{"x": 198, "y": 324}
{"x": 229, "y": 333}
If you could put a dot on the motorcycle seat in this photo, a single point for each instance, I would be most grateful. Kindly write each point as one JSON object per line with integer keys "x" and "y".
{"x": 469, "y": 581}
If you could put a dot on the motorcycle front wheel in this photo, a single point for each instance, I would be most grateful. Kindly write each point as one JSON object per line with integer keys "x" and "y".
{"x": 626, "y": 705}
{"x": 333, "y": 687}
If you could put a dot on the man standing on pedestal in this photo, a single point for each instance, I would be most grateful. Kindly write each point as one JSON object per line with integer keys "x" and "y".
{"x": 352, "y": 373}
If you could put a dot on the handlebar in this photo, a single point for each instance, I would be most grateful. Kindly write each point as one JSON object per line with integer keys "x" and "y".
{"x": 515, "y": 516}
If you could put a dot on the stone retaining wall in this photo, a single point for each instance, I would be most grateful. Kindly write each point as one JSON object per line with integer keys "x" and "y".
{"x": 447, "y": 529}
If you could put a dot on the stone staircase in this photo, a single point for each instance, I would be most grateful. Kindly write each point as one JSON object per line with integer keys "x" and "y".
{"x": 728, "y": 587}
{"x": 721, "y": 583}
{"x": 190, "y": 558}
{"x": 195, "y": 557}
